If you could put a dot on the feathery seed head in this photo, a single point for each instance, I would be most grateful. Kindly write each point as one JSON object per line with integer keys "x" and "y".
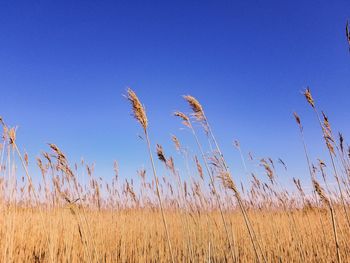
{"x": 184, "y": 117}
{"x": 142, "y": 173}
{"x": 297, "y": 119}
{"x": 137, "y": 108}
{"x": 326, "y": 123}
{"x": 160, "y": 153}
{"x": 170, "y": 164}
{"x": 12, "y": 135}
{"x": 320, "y": 192}
{"x": 199, "y": 168}
{"x": 196, "y": 107}
{"x": 60, "y": 155}
{"x": 329, "y": 143}
{"x": 298, "y": 185}
{"x": 268, "y": 169}
{"x": 308, "y": 96}
{"x": 176, "y": 142}
{"x": 227, "y": 182}
{"x": 26, "y": 159}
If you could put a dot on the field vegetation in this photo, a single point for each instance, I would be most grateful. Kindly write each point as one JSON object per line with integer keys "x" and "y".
{"x": 198, "y": 213}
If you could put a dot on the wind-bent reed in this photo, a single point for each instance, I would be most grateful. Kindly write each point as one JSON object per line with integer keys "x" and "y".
{"x": 328, "y": 138}
{"x": 187, "y": 122}
{"x": 140, "y": 115}
{"x": 12, "y": 142}
{"x": 200, "y": 116}
{"x": 68, "y": 219}
{"x": 183, "y": 206}
{"x": 328, "y": 202}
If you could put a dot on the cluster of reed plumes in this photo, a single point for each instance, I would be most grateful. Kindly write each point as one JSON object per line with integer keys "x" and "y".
{"x": 198, "y": 213}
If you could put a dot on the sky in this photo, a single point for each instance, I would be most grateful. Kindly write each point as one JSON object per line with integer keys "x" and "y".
{"x": 65, "y": 65}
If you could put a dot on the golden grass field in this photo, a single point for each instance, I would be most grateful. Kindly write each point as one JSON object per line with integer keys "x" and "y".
{"x": 136, "y": 235}
{"x": 172, "y": 216}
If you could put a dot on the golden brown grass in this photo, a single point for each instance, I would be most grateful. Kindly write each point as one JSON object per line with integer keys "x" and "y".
{"x": 136, "y": 235}
{"x": 174, "y": 216}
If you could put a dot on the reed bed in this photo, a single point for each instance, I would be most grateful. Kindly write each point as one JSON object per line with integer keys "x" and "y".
{"x": 193, "y": 212}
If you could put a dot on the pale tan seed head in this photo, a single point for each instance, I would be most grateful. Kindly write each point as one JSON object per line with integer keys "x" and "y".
{"x": 256, "y": 180}
{"x": 297, "y": 119}
{"x": 320, "y": 192}
{"x": 184, "y": 117}
{"x": 142, "y": 173}
{"x": 196, "y": 107}
{"x": 329, "y": 143}
{"x": 308, "y": 96}
{"x": 176, "y": 142}
{"x": 227, "y": 181}
{"x": 47, "y": 157}
{"x": 12, "y": 135}
{"x": 39, "y": 163}
{"x": 116, "y": 169}
{"x": 268, "y": 169}
{"x": 297, "y": 184}
{"x": 199, "y": 168}
{"x": 326, "y": 122}
{"x": 138, "y": 110}
{"x": 160, "y": 153}
{"x": 26, "y": 158}
{"x": 60, "y": 155}
{"x": 170, "y": 164}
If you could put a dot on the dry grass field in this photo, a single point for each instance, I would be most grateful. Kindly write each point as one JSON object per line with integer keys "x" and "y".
{"x": 171, "y": 216}
{"x": 137, "y": 235}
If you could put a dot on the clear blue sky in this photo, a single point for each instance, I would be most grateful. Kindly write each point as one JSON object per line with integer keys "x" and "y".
{"x": 64, "y": 66}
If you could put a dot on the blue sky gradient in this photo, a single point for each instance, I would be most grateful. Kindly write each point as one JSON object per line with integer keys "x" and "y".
{"x": 64, "y": 66}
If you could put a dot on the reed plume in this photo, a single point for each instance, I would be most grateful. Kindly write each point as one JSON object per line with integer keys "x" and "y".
{"x": 328, "y": 138}
{"x": 320, "y": 192}
{"x": 200, "y": 116}
{"x": 308, "y": 97}
{"x": 184, "y": 117}
{"x": 138, "y": 110}
{"x": 140, "y": 115}
{"x": 160, "y": 153}
{"x": 187, "y": 122}
{"x": 196, "y": 107}
{"x": 176, "y": 142}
